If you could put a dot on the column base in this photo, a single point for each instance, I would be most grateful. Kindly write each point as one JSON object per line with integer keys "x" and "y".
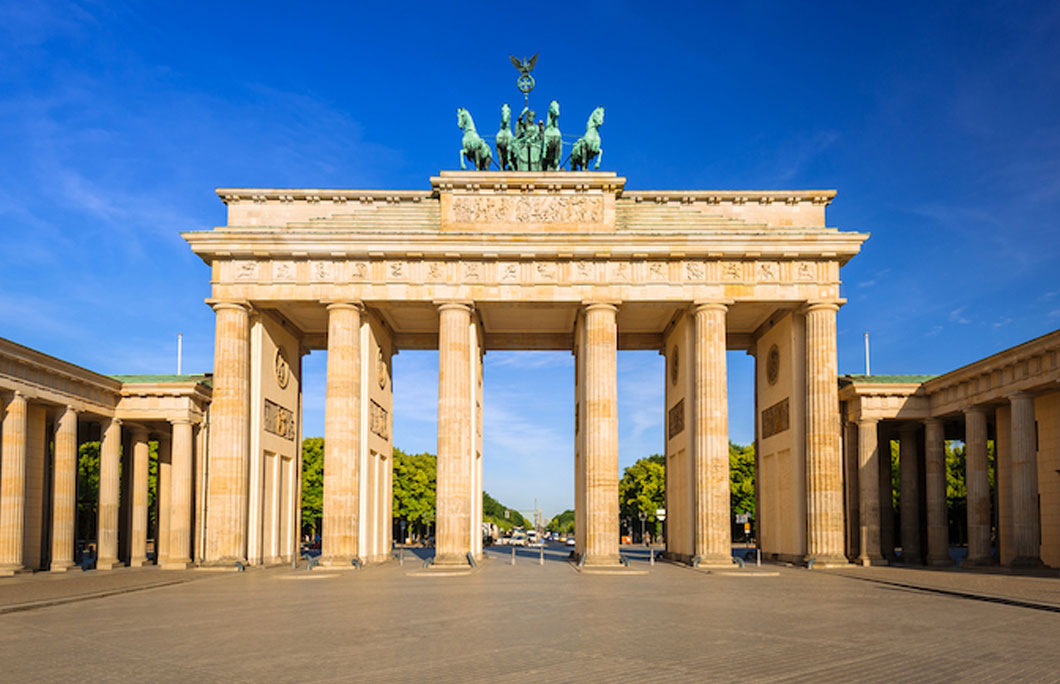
{"x": 1025, "y": 562}
{"x": 137, "y": 562}
{"x": 870, "y": 561}
{"x": 940, "y": 562}
{"x": 450, "y": 560}
{"x": 978, "y": 562}
{"x": 176, "y": 564}
{"x": 606, "y": 560}
{"x": 713, "y": 561}
{"x": 12, "y": 570}
{"x": 338, "y": 562}
{"x": 826, "y": 562}
{"x": 62, "y": 566}
{"x": 108, "y": 564}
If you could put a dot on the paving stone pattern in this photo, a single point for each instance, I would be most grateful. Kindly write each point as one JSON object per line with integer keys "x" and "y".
{"x": 531, "y": 623}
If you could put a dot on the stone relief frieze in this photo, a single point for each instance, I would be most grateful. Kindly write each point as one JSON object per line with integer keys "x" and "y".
{"x": 620, "y": 271}
{"x": 676, "y": 420}
{"x": 472, "y": 270}
{"x": 435, "y": 271}
{"x": 768, "y": 271}
{"x": 397, "y": 270}
{"x": 546, "y": 270}
{"x": 657, "y": 270}
{"x": 527, "y": 209}
{"x": 279, "y": 421}
{"x": 322, "y": 270}
{"x": 731, "y": 270}
{"x": 246, "y": 270}
{"x": 283, "y": 270}
{"x": 510, "y": 272}
{"x": 359, "y": 270}
{"x": 805, "y": 271}
{"x": 379, "y": 420}
{"x": 775, "y": 419}
{"x": 694, "y": 270}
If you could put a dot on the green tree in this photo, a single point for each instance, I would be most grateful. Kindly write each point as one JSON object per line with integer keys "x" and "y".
{"x": 415, "y": 483}
{"x": 642, "y": 490}
{"x": 87, "y": 489}
{"x": 742, "y": 479}
{"x": 503, "y": 517}
{"x": 562, "y": 523}
{"x": 312, "y": 484}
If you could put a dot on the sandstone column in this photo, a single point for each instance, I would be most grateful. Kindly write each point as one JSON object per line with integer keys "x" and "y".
{"x": 162, "y": 497}
{"x": 13, "y": 483}
{"x": 109, "y": 488}
{"x": 713, "y": 531}
{"x": 179, "y": 548}
{"x": 977, "y": 486}
{"x": 229, "y": 450}
{"x": 886, "y": 496}
{"x": 869, "y": 492}
{"x": 938, "y": 541}
{"x": 342, "y": 436}
{"x": 824, "y": 462}
{"x": 1024, "y": 483}
{"x": 64, "y": 491}
{"x": 601, "y": 434}
{"x": 852, "y": 505}
{"x": 908, "y": 468}
{"x": 453, "y": 539}
{"x": 138, "y": 512}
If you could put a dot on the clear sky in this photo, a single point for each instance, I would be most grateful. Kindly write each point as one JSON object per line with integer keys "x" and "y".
{"x": 937, "y": 123}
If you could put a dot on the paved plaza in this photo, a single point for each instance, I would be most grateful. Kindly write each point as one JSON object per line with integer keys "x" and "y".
{"x": 532, "y": 623}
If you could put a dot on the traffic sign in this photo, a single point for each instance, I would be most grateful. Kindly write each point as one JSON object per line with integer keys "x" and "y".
{"x": 660, "y": 513}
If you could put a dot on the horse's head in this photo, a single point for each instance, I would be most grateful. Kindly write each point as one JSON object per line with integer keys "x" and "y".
{"x": 553, "y": 109}
{"x": 597, "y": 117}
{"x": 462, "y": 118}
{"x": 506, "y": 114}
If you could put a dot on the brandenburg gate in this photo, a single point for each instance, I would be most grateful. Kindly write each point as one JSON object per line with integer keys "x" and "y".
{"x": 520, "y": 260}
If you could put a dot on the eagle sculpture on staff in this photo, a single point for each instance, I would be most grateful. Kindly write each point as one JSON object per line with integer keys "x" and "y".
{"x": 526, "y": 81}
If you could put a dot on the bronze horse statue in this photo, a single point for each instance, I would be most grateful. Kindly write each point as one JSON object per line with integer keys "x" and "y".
{"x": 588, "y": 146}
{"x": 504, "y": 140}
{"x": 474, "y": 147}
{"x": 552, "y": 145}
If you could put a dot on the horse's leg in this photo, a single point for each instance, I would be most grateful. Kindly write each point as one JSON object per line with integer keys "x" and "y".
{"x": 462, "y": 164}
{"x": 599, "y": 156}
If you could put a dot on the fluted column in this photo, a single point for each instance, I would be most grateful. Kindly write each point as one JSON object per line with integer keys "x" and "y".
{"x": 109, "y": 493}
{"x": 13, "y": 483}
{"x": 852, "y": 509}
{"x": 938, "y": 539}
{"x": 601, "y": 434}
{"x": 181, "y": 450}
{"x": 977, "y": 486}
{"x": 713, "y": 540}
{"x": 1026, "y": 527}
{"x": 64, "y": 491}
{"x": 908, "y": 469}
{"x": 164, "y": 481}
{"x": 138, "y": 512}
{"x": 824, "y": 461}
{"x": 453, "y": 539}
{"x": 342, "y": 436}
{"x": 229, "y": 450}
{"x": 869, "y": 492}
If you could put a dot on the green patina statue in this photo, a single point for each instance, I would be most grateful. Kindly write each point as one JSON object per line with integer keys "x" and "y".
{"x": 475, "y": 148}
{"x": 504, "y": 140}
{"x": 588, "y": 146}
{"x": 552, "y": 153}
{"x": 535, "y": 146}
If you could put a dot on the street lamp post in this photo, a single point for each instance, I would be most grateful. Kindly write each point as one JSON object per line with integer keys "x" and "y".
{"x": 643, "y": 517}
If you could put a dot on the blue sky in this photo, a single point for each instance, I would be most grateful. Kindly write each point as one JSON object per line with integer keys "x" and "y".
{"x": 938, "y": 124}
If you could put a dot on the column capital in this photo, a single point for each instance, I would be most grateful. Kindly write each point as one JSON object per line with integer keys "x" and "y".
{"x": 333, "y": 305}
{"x": 974, "y": 411}
{"x": 711, "y": 305}
{"x": 180, "y": 421}
{"x": 867, "y": 421}
{"x": 229, "y": 304}
{"x": 451, "y": 305}
{"x": 932, "y": 421}
{"x": 1019, "y": 395}
{"x": 114, "y": 420}
{"x": 823, "y": 305}
{"x": 593, "y": 306}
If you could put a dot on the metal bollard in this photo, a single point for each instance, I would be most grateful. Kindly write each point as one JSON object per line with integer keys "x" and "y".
{"x": 401, "y": 556}
{"x": 513, "y": 555}
{"x": 758, "y": 561}
{"x": 541, "y": 558}
{"x": 651, "y": 556}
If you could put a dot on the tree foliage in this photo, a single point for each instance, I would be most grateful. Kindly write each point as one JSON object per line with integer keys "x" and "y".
{"x": 312, "y": 484}
{"x": 642, "y": 489}
{"x": 562, "y": 523}
{"x": 493, "y": 511}
{"x": 742, "y": 479}
{"x": 415, "y": 484}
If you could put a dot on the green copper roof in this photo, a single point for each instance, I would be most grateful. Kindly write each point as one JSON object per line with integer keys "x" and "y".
{"x": 144, "y": 379}
{"x": 885, "y": 379}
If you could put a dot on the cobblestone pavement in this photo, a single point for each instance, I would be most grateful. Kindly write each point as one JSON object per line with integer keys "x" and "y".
{"x": 541, "y": 623}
